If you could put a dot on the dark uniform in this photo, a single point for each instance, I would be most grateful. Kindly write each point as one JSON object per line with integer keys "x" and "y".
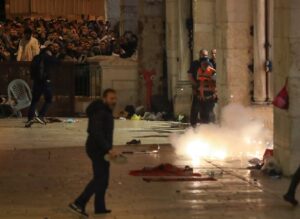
{"x": 203, "y": 94}
{"x": 98, "y": 144}
{"x": 290, "y": 196}
{"x": 42, "y": 67}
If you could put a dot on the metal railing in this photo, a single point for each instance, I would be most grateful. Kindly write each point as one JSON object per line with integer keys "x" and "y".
{"x": 70, "y": 81}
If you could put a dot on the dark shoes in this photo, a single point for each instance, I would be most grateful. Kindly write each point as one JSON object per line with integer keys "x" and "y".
{"x": 78, "y": 210}
{"x": 134, "y": 141}
{"x": 29, "y": 123}
{"x": 291, "y": 199}
{"x": 40, "y": 120}
{"x": 106, "y": 211}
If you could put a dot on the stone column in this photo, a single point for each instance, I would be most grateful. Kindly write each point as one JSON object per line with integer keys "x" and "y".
{"x": 112, "y": 11}
{"x": 287, "y": 64}
{"x": 183, "y": 91}
{"x": 128, "y": 15}
{"x": 234, "y": 46}
{"x": 259, "y": 51}
{"x": 270, "y": 11}
{"x": 172, "y": 45}
{"x": 204, "y": 17}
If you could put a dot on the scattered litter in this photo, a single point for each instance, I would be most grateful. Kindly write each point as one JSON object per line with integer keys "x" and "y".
{"x": 140, "y": 110}
{"x": 70, "y": 120}
{"x": 271, "y": 167}
{"x": 180, "y": 179}
{"x": 165, "y": 170}
{"x": 134, "y": 141}
{"x": 130, "y": 110}
{"x": 120, "y": 159}
{"x": 136, "y": 117}
{"x": 53, "y": 120}
{"x": 154, "y": 117}
{"x": 180, "y": 118}
{"x": 140, "y": 152}
{"x": 213, "y": 173}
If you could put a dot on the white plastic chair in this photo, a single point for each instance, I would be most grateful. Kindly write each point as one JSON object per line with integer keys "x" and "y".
{"x": 19, "y": 96}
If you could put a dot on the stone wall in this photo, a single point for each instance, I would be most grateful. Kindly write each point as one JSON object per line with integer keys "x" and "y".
{"x": 287, "y": 65}
{"x": 151, "y": 42}
{"x": 113, "y": 11}
{"x": 121, "y": 75}
{"x": 204, "y": 16}
{"x": 234, "y": 46}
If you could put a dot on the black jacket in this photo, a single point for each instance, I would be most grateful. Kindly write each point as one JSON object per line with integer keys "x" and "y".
{"x": 42, "y": 66}
{"x": 100, "y": 129}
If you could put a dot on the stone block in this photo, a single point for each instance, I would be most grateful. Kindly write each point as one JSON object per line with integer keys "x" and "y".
{"x": 204, "y": 11}
{"x": 239, "y": 12}
{"x": 238, "y": 35}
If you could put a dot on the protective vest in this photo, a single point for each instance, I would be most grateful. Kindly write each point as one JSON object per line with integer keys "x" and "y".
{"x": 206, "y": 80}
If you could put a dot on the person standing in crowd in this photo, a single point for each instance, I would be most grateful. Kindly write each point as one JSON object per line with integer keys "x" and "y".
{"x": 98, "y": 144}
{"x": 203, "y": 100}
{"x": 28, "y": 47}
{"x": 42, "y": 66}
{"x": 290, "y": 195}
{"x": 213, "y": 58}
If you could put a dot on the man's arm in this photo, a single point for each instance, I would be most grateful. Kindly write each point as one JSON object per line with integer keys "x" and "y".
{"x": 192, "y": 79}
{"x": 36, "y": 48}
{"x": 96, "y": 130}
{"x": 190, "y": 72}
{"x": 20, "y": 51}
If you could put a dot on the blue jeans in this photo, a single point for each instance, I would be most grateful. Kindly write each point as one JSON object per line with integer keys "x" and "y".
{"x": 40, "y": 89}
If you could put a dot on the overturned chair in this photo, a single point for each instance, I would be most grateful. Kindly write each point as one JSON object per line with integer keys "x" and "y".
{"x": 19, "y": 96}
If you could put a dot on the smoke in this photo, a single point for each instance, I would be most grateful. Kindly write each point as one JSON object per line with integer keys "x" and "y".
{"x": 240, "y": 133}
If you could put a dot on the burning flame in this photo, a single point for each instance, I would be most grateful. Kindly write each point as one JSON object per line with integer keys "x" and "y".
{"x": 240, "y": 134}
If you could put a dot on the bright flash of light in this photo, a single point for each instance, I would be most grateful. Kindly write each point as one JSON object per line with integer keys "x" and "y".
{"x": 197, "y": 149}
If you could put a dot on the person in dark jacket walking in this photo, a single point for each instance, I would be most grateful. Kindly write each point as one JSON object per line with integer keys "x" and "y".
{"x": 290, "y": 195}
{"x": 41, "y": 69}
{"x": 98, "y": 144}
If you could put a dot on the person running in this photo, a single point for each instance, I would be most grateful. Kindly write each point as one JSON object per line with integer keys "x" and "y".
{"x": 42, "y": 66}
{"x": 99, "y": 143}
{"x": 290, "y": 195}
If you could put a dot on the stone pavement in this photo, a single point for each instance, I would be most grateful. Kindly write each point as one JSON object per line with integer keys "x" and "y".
{"x": 39, "y": 183}
{"x": 74, "y": 134}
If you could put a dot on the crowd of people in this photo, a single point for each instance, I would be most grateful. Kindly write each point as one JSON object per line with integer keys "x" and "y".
{"x": 21, "y": 39}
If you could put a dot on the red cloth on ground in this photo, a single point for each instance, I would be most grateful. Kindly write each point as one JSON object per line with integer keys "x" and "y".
{"x": 164, "y": 170}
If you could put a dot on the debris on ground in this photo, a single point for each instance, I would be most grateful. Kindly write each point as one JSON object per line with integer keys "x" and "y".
{"x": 271, "y": 167}
{"x": 140, "y": 110}
{"x": 53, "y": 120}
{"x": 178, "y": 179}
{"x": 130, "y": 110}
{"x": 149, "y": 116}
{"x": 165, "y": 170}
{"x": 136, "y": 117}
{"x": 268, "y": 164}
{"x": 120, "y": 159}
{"x": 134, "y": 141}
{"x": 70, "y": 120}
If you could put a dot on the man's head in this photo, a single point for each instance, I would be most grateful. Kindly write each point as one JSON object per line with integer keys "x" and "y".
{"x": 27, "y": 33}
{"x": 56, "y": 48}
{"x": 109, "y": 98}
{"x": 213, "y": 53}
{"x": 203, "y": 53}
